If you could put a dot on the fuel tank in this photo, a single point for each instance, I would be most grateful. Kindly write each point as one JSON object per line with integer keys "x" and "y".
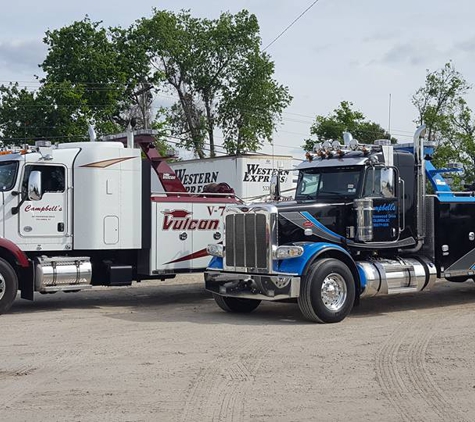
{"x": 399, "y": 275}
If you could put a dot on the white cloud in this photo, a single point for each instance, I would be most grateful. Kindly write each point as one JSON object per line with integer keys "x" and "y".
{"x": 22, "y": 56}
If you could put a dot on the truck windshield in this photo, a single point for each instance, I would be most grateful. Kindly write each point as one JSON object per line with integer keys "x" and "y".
{"x": 8, "y": 171}
{"x": 328, "y": 183}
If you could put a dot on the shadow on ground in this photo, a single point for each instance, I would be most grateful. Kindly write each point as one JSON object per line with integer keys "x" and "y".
{"x": 191, "y": 303}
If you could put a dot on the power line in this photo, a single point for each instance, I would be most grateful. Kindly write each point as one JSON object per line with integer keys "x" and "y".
{"x": 293, "y": 22}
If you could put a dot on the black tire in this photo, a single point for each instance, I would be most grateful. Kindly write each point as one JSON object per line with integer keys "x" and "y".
{"x": 236, "y": 305}
{"x": 8, "y": 286}
{"x": 335, "y": 274}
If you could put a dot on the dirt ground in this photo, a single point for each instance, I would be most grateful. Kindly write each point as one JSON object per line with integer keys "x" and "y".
{"x": 163, "y": 351}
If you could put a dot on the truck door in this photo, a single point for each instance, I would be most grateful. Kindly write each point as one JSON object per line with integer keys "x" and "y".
{"x": 45, "y": 219}
{"x": 380, "y": 185}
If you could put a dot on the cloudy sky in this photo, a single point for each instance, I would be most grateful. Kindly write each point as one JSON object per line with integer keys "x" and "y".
{"x": 361, "y": 51}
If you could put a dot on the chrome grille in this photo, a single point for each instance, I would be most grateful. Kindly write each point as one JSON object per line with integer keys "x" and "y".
{"x": 247, "y": 241}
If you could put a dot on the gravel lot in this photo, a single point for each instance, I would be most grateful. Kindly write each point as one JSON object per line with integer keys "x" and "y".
{"x": 166, "y": 352}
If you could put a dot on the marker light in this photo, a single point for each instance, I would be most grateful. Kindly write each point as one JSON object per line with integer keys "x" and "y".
{"x": 327, "y": 146}
{"x": 215, "y": 250}
{"x": 353, "y": 144}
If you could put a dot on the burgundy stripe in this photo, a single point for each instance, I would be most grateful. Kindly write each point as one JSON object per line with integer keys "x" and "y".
{"x": 193, "y": 199}
{"x": 194, "y": 255}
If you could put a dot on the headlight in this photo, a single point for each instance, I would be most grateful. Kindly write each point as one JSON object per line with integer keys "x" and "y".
{"x": 286, "y": 252}
{"x": 215, "y": 250}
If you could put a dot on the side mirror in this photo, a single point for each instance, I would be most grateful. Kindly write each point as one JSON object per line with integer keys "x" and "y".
{"x": 34, "y": 186}
{"x": 275, "y": 187}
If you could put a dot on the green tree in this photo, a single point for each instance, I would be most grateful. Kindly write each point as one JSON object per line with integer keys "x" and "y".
{"x": 251, "y": 105}
{"x": 92, "y": 75}
{"x": 52, "y": 112}
{"x": 439, "y": 98}
{"x": 110, "y": 75}
{"x": 101, "y": 64}
{"x": 450, "y": 122}
{"x": 203, "y": 62}
{"x": 345, "y": 119}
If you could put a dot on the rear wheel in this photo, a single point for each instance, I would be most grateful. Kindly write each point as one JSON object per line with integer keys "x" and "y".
{"x": 8, "y": 286}
{"x": 327, "y": 292}
{"x": 236, "y": 305}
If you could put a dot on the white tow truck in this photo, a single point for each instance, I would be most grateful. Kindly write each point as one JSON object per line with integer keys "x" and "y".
{"x": 82, "y": 214}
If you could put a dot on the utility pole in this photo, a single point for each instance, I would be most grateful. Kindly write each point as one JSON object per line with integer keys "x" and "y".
{"x": 389, "y": 123}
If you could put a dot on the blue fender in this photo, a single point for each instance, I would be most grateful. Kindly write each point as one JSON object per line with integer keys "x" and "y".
{"x": 300, "y": 264}
{"x": 216, "y": 263}
{"x": 312, "y": 251}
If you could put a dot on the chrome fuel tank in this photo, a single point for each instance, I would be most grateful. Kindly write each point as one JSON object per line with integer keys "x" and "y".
{"x": 399, "y": 275}
{"x": 62, "y": 273}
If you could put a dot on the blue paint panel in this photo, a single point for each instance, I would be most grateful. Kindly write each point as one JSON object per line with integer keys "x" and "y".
{"x": 362, "y": 275}
{"x": 297, "y": 265}
{"x": 216, "y": 263}
{"x": 452, "y": 198}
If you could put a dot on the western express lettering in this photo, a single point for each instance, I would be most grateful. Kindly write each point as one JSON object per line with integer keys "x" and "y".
{"x": 195, "y": 182}
{"x": 256, "y": 173}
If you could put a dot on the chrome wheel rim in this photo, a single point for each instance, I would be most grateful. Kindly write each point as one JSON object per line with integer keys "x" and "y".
{"x": 3, "y": 286}
{"x": 334, "y": 292}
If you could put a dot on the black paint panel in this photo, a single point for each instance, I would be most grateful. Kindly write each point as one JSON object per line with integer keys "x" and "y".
{"x": 453, "y": 224}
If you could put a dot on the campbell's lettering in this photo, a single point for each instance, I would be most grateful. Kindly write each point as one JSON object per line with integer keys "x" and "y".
{"x": 385, "y": 207}
{"x": 181, "y": 220}
{"x": 46, "y": 208}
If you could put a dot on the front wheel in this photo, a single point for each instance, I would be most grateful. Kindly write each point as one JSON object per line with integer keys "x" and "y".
{"x": 8, "y": 286}
{"x": 327, "y": 292}
{"x": 236, "y": 305}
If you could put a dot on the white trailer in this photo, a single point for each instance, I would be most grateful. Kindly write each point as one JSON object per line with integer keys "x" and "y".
{"x": 83, "y": 214}
{"x": 248, "y": 174}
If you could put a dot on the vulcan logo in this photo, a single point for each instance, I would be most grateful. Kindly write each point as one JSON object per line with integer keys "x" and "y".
{"x": 182, "y": 220}
{"x": 46, "y": 208}
{"x": 256, "y": 173}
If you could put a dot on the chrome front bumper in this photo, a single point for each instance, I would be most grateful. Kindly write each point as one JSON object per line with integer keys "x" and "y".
{"x": 253, "y": 286}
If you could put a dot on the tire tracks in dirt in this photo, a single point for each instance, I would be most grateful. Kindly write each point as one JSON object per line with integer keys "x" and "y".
{"x": 219, "y": 391}
{"x": 21, "y": 381}
{"x": 402, "y": 373}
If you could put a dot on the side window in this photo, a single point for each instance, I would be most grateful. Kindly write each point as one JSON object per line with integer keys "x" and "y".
{"x": 52, "y": 178}
{"x": 379, "y": 182}
{"x": 308, "y": 185}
